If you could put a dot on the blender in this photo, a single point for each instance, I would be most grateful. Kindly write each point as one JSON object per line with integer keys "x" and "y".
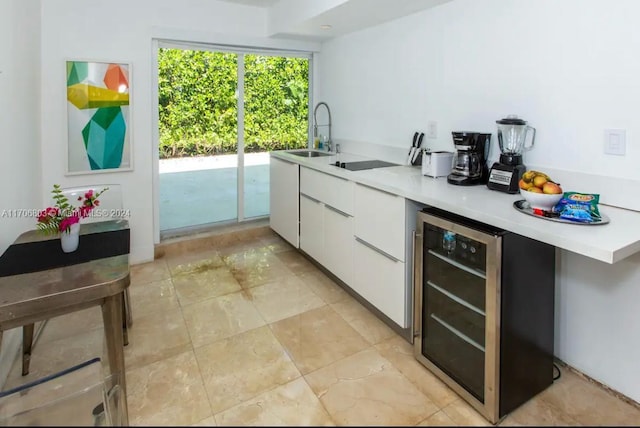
{"x": 512, "y": 137}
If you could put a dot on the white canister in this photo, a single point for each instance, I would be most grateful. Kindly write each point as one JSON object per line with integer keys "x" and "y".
{"x": 436, "y": 164}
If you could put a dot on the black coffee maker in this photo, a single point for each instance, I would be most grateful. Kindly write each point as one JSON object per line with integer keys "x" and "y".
{"x": 470, "y": 160}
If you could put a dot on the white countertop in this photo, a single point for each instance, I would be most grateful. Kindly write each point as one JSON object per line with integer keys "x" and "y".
{"x": 608, "y": 242}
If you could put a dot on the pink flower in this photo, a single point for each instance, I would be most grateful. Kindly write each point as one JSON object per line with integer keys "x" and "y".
{"x": 46, "y": 215}
{"x": 42, "y": 216}
{"x": 55, "y": 219}
{"x": 67, "y": 222}
{"x": 84, "y": 211}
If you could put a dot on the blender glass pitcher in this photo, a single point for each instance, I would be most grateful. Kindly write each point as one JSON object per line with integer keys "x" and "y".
{"x": 512, "y": 135}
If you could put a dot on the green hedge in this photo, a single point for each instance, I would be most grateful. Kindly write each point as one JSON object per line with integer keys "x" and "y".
{"x": 198, "y": 104}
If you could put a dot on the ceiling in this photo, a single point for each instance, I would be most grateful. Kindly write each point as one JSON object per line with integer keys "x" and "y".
{"x": 308, "y": 19}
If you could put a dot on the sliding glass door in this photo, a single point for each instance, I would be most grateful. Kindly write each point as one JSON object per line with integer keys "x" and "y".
{"x": 198, "y": 124}
{"x": 220, "y": 113}
{"x": 276, "y": 111}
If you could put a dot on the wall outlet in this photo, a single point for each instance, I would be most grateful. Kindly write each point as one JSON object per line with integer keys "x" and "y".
{"x": 615, "y": 142}
{"x": 432, "y": 129}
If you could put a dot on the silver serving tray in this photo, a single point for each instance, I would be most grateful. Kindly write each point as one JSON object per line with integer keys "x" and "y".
{"x": 523, "y": 206}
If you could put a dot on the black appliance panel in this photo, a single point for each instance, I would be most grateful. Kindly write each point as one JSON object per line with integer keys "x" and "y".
{"x": 456, "y": 247}
{"x": 527, "y": 318}
{"x": 360, "y": 165}
{"x": 505, "y": 178}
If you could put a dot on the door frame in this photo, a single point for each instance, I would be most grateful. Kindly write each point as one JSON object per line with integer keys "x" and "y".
{"x": 160, "y": 42}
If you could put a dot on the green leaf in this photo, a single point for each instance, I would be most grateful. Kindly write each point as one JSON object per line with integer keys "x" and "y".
{"x": 198, "y": 105}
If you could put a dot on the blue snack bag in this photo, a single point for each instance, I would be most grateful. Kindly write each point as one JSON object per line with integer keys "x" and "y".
{"x": 580, "y": 207}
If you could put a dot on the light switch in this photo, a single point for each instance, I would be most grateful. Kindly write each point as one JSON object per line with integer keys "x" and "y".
{"x": 615, "y": 142}
{"x": 432, "y": 129}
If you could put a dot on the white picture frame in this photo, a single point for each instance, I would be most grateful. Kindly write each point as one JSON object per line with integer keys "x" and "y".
{"x": 99, "y": 137}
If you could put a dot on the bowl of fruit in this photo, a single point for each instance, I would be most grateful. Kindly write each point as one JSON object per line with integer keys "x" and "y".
{"x": 539, "y": 190}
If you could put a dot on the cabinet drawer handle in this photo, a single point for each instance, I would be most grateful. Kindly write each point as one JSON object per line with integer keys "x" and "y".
{"x": 377, "y": 250}
{"x": 342, "y": 213}
{"x": 395, "y": 195}
{"x": 285, "y": 161}
{"x": 338, "y": 177}
{"x": 310, "y": 198}
{"x": 312, "y": 170}
{"x": 414, "y": 309}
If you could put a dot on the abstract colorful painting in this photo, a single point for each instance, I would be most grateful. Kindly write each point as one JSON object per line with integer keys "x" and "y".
{"x": 98, "y": 104}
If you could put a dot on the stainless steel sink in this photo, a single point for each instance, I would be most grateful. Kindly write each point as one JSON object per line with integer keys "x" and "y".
{"x": 308, "y": 153}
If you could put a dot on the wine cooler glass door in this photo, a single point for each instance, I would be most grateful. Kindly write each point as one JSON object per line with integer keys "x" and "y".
{"x": 454, "y": 306}
{"x": 456, "y": 331}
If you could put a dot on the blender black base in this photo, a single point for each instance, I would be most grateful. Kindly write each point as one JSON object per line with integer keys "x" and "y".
{"x": 505, "y": 178}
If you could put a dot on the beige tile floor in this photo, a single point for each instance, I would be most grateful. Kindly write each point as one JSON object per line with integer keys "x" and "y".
{"x": 249, "y": 332}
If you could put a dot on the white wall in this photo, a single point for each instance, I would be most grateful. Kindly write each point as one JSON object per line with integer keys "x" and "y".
{"x": 121, "y": 30}
{"x": 597, "y": 319}
{"x": 568, "y": 67}
{"x": 20, "y": 139}
{"x": 20, "y": 107}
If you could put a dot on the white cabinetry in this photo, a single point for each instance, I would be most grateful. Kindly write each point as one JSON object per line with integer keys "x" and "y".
{"x": 360, "y": 234}
{"x": 326, "y": 221}
{"x": 331, "y": 190}
{"x": 283, "y": 199}
{"x": 380, "y": 220}
{"x": 312, "y": 227}
{"x": 380, "y": 253}
{"x": 381, "y": 281}
{"x": 338, "y": 243}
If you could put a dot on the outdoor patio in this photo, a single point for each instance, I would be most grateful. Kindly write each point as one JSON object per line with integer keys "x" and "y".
{"x": 201, "y": 190}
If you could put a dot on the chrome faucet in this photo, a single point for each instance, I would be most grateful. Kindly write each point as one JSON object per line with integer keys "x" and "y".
{"x": 315, "y": 123}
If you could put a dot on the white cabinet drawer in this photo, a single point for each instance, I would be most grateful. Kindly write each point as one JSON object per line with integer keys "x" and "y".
{"x": 332, "y": 190}
{"x": 381, "y": 281}
{"x": 380, "y": 220}
{"x": 311, "y": 228}
{"x": 338, "y": 244}
{"x": 283, "y": 199}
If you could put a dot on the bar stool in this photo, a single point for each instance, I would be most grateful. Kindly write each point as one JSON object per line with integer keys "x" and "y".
{"x": 78, "y": 396}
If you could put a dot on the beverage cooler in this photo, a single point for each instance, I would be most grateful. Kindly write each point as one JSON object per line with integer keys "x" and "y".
{"x": 483, "y": 310}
